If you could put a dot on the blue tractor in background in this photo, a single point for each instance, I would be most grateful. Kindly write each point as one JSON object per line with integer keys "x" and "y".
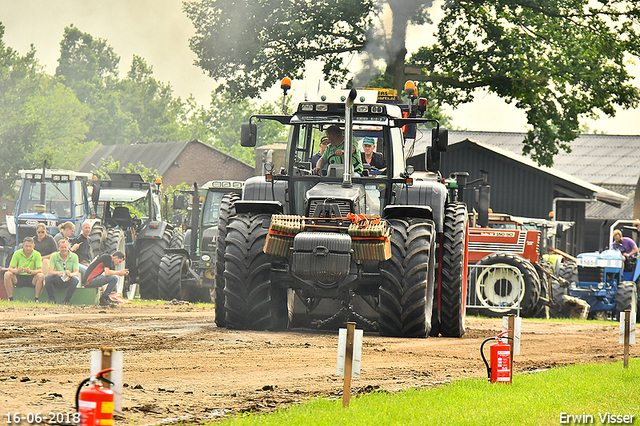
{"x": 607, "y": 284}
{"x": 50, "y": 197}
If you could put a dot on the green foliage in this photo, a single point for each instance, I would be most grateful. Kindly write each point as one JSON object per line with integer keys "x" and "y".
{"x": 135, "y": 109}
{"x": 40, "y": 119}
{"x": 532, "y": 399}
{"x": 111, "y": 165}
{"x": 251, "y": 45}
{"x": 558, "y": 61}
{"x": 169, "y": 212}
{"x": 225, "y": 117}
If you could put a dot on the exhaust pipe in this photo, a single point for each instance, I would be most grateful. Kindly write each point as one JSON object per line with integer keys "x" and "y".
{"x": 348, "y": 139}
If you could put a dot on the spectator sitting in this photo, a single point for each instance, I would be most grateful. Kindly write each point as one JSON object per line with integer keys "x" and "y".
{"x": 101, "y": 272}
{"x": 66, "y": 231}
{"x": 45, "y": 245}
{"x": 64, "y": 272}
{"x": 81, "y": 245}
{"x": 25, "y": 269}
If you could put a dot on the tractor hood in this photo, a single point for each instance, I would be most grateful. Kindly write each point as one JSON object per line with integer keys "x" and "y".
{"x": 349, "y": 200}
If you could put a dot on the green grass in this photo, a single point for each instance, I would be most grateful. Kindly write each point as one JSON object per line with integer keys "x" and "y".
{"x": 532, "y": 399}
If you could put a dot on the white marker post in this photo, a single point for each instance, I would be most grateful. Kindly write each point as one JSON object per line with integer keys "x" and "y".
{"x": 109, "y": 358}
{"x": 627, "y": 333}
{"x": 349, "y": 353}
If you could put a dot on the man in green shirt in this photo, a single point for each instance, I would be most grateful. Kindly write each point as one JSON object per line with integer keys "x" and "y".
{"x": 25, "y": 269}
{"x": 63, "y": 272}
{"x": 335, "y": 151}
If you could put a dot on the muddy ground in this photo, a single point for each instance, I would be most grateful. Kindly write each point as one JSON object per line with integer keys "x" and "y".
{"x": 179, "y": 366}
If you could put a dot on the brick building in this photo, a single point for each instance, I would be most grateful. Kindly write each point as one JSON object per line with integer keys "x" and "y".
{"x": 177, "y": 162}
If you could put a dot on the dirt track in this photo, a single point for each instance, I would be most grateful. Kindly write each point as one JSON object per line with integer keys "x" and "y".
{"x": 179, "y": 365}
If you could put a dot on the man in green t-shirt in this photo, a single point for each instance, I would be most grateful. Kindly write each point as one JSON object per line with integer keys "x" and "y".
{"x": 63, "y": 272}
{"x": 25, "y": 269}
{"x": 335, "y": 151}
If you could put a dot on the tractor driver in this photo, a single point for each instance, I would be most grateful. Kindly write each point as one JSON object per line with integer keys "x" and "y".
{"x": 334, "y": 152}
{"x": 626, "y": 245}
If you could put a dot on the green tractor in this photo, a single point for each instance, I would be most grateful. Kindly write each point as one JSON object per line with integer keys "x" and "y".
{"x": 376, "y": 247}
{"x": 130, "y": 211}
{"x": 189, "y": 271}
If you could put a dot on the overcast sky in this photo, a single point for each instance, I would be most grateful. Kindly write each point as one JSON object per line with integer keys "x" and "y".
{"x": 158, "y": 31}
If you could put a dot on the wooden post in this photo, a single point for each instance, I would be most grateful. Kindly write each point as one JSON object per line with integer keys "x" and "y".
{"x": 348, "y": 364}
{"x": 627, "y": 331}
{"x": 106, "y": 363}
{"x": 511, "y": 328}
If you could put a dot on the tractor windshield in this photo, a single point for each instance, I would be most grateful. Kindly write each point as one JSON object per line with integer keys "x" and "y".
{"x": 136, "y": 200}
{"x": 54, "y": 196}
{"x": 211, "y": 209}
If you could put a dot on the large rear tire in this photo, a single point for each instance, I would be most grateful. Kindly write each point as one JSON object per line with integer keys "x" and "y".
{"x": 626, "y": 298}
{"x": 169, "y": 277}
{"x": 559, "y": 291}
{"x": 227, "y": 210}
{"x": 177, "y": 239}
{"x": 408, "y": 279}
{"x": 115, "y": 241}
{"x": 150, "y": 252}
{"x": 97, "y": 238}
{"x": 251, "y": 302}
{"x": 453, "y": 268}
{"x": 499, "y": 290}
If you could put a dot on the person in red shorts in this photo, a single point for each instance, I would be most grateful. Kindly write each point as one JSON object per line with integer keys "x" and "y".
{"x": 101, "y": 272}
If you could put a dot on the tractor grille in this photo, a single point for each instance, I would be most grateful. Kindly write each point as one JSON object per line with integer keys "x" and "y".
{"x": 344, "y": 206}
{"x": 590, "y": 275}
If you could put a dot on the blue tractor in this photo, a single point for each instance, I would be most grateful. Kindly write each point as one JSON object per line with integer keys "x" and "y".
{"x": 606, "y": 283}
{"x": 50, "y": 197}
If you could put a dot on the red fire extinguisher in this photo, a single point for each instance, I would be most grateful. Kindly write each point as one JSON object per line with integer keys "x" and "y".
{"x": 500, "y": 369}
{"x": 95, "y": 402}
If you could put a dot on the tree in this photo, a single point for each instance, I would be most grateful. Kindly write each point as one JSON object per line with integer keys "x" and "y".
{"x": 135, "y": 109}
{"x": 224, "y": 120}
{"x": 40, "y": 119}
{"x": 251, "y": 45}
{"x": 558, "y": 60}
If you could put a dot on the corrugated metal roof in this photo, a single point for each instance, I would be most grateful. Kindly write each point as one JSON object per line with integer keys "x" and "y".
{"x": 595, "y": 158}
{"x": 605, "y": 211}
{"x": 158, "y": 156}
{"x": 600, "y": 193}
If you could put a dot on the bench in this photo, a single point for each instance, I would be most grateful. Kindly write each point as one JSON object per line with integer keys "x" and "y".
{"x": 82, "y": 295}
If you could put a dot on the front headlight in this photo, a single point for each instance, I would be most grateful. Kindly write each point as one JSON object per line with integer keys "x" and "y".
{"x": 206, "y": 257}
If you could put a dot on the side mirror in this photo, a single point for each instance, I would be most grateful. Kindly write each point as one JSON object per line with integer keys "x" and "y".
{"x": 432, "y": 160}
{"x": 180, "y": 201}
{"x": 440, "y": 139}
{"x": 248, "y": 134}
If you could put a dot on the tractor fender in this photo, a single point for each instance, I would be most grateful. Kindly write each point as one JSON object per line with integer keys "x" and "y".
{"x": 401, "y": 212}
{"x": 431, "y": 194}
{"x": 258, "y": 207}
{"x": 181, "y": 251}
{"x": 257, "y": 188}
{"x": 154, "y": 229}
